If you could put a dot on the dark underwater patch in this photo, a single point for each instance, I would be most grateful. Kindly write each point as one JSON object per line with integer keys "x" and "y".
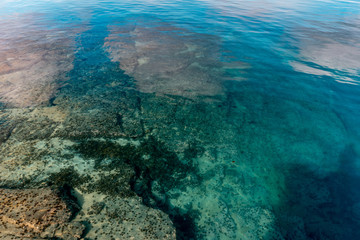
{"x": 67, "y": 176}
{"x": 322, "y": 207}
{"x": 152, "y": 163}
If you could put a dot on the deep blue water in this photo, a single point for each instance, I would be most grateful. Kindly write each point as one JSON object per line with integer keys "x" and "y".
{"x": 268, "y": 90}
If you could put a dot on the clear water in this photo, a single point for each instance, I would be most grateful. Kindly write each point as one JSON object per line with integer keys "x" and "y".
{"x": 251, "y": 109}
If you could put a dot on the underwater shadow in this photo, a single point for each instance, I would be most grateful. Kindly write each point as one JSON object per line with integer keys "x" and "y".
{"x": 322, "y": 207}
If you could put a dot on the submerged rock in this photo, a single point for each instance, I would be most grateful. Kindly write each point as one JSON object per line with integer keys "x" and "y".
{"x": 166, "y": 59}
{"x": 124, "y": 218}
{"x": 31, "y": 70}
{"x": 37, "y": 213}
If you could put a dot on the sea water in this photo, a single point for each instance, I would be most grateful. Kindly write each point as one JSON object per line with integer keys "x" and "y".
{"x": 224, "y": 119}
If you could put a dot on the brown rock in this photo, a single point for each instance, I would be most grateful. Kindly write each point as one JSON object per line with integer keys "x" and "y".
{"x": 36, "y": 213}
{"x": 33, "y": 64}
{"x": 166, "y": 59}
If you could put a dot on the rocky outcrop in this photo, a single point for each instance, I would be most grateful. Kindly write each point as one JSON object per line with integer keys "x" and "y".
{"x": 37, "y": 214}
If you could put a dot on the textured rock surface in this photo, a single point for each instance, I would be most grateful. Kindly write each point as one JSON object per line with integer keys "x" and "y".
{"x": 169, "y": 60}
{"x": 31, "y": 70}
{"x": 31, "y": 79}
{"x": 124, "y": 218}
{"x": 36, "y": 213}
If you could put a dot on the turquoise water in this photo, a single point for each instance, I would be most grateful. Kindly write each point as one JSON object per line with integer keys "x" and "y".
{"x": 236, "y": 119}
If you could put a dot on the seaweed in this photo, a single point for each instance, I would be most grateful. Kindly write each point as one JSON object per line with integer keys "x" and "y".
{"x": 151, "y": 162}
{"x": 112, "y": 185}
{"x": 101, "y": 150}
{"x": 67, "y": 176}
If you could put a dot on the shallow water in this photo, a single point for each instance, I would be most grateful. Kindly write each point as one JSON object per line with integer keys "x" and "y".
{"x": 233, "y": 119}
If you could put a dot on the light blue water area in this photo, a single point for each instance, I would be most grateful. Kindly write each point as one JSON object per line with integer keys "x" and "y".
{"x": 253, "y": 105}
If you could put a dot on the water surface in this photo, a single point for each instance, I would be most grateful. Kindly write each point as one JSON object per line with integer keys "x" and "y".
{"x": 229, "y": 120}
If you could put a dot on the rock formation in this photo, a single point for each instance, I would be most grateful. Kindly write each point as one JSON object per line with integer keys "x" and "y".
{"x": 36, "y": 214}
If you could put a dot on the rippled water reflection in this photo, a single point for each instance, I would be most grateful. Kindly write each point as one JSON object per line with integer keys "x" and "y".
{"x": 186, "y": 119}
